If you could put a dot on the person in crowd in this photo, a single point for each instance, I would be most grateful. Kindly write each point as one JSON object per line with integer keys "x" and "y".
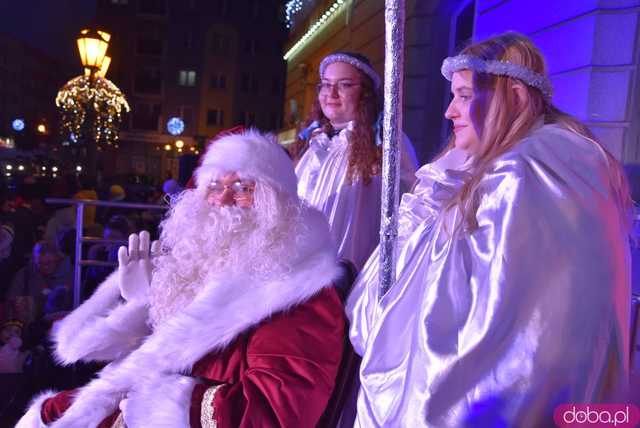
{"x": 230, "y": 320}
{"x": 116, "y": 231}
{"x": 171, "y": 189}
{"x": 116, "y": 193}
{"x": 512, "y": 288}
{"x": 41, "y": 289}
{"x": 339, "y": 173}
{"x": 12, "y": 358}
{"x": 14, "y": 383}
{"x": 87, "y": 191}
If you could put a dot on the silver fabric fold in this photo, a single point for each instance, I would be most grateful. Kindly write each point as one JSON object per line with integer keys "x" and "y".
{"x": 353, "y": 209}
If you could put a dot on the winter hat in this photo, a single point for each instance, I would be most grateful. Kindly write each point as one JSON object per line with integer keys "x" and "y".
{"x": 251, "y": 155}
{"x": 116, "y": 193}
{"x": 171, "y": 187}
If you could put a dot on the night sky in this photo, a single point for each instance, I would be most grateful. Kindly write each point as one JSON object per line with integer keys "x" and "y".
{"x": 50, "y": 25}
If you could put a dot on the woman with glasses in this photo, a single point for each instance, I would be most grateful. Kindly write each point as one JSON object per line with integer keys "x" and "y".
{"x": 339, "y": 173}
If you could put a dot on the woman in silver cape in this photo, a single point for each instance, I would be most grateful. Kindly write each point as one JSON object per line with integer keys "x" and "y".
{"x": 339, "y": 173}
{"x": 513, "y": 278}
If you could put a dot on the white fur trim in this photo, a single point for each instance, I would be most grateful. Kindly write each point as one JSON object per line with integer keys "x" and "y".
{"x": 225, "y": 308}
{"x": 33, "y": 417}
{"x": 91, "y": 405}
{"x": 102, "y": 328}
{"x": 162, "y": 402}
{"x": 253, "y": 156}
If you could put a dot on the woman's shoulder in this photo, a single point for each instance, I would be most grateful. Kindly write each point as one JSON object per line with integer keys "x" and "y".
{"x": 555, "y": 146}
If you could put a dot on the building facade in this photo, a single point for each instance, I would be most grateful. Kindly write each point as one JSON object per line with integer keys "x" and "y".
{"x": 593, "y": 68}
{"x": 212, "y": 64}
{"x": 29, "y": 122}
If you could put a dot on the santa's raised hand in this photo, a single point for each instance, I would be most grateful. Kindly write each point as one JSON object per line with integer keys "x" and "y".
{"x": 134, "y": 267}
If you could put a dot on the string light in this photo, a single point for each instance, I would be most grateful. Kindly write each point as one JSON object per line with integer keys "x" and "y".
{"x": 291, "y": 9}
{"x": 108, "y": 103}
{"x": 315, "y": 27}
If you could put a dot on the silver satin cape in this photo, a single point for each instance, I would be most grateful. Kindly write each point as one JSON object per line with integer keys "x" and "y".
{"x": 353, "y": 209}
{"x": 497, "y": 326}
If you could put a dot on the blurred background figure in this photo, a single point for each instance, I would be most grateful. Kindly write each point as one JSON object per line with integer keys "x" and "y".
{"x": 116, "y": 230}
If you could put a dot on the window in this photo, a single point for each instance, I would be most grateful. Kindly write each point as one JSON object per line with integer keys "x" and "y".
{"x": 151, "y": 7}
{"x": 251, "y": 46}
{"x": 188, "y": 40}
{"x": 220, "y": 44}
{"x": 462, "y": 26}
{"x": 254, "y": 8}
{"x": 187, "y": 78}
{"x": 148, "y": 80}
{"x": 223, "y": 6}
{"x": 215, "y": 117}
{"x": 146, "y": 116}
{"x": 246, "y": 118}
{"x": 249, "y": 84}
{"x": 218, "y": 81}
{"x": 149, "y": 46}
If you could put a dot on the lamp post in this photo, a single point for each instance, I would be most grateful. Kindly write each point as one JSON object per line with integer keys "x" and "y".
{"x": 90, "y": 104}
{"x": 92, "y": 47}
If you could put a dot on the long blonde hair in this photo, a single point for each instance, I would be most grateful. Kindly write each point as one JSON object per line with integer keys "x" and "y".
{"x": 502, "y": 120}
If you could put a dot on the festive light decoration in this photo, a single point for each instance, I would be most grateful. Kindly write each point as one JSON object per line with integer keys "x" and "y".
{"x": 107, "y": 101}
{"x": 291, "y": 9}
{"x": 175, "y": 126}
{"x": 17, "y": 125}
{"x": 316, "y": 26}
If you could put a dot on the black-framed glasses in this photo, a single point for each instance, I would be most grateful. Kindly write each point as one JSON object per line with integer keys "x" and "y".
{"x": 324, "y": 88}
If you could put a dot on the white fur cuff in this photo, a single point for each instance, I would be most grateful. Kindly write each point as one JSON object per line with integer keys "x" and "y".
{"x": 33, "y": 418}
{"x": 162, "y": 402}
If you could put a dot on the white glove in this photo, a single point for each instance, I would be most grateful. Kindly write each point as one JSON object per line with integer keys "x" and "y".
{"x": 134, "y": 267}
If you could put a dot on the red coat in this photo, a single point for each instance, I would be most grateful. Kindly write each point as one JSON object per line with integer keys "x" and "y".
{"x": 280, "y": 373}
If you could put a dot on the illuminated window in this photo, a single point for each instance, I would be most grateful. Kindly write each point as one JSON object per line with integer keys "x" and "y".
{"x": 187, "y": 78}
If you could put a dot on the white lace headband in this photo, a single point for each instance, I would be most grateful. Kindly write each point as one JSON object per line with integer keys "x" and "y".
{"x": 360, "y": 65}
{"x": 501, "y": 68}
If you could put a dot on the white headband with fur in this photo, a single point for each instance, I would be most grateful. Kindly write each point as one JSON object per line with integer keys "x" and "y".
{"x": 351, "y": 60}
{"x": 501, "y": 68}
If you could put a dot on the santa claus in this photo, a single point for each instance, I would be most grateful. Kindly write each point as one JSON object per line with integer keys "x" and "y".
{"x": 229, "y": 320}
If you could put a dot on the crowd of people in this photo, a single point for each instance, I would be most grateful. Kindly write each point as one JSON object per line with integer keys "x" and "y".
{"x": 243, "y": 311}
{"x": 37, "y": 255}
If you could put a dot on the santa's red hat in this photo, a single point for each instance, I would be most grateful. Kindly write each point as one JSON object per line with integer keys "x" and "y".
{"x": 251, "y": 155}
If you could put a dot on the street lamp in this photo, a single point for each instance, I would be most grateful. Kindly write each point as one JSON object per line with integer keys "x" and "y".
{"x": 106, "y": 62}
{"x": 92, "y": 45}
{"x": 90, "y": 104}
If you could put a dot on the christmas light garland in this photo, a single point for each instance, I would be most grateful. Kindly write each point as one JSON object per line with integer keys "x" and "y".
{"x": 108, "y": 104}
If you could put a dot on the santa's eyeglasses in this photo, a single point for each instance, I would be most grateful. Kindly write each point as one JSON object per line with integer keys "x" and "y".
{"x": 239, "y": 188}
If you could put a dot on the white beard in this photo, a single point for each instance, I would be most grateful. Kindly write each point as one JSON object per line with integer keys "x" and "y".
{"x": 199, "y": 241}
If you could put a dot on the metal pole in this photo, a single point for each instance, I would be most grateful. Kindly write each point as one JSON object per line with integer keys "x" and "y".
{"x": 77, "y": 271}
{"x": 392, "y": 135}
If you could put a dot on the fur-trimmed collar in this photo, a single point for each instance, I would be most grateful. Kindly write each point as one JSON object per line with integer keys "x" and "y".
{"x": 222, "y": 311}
